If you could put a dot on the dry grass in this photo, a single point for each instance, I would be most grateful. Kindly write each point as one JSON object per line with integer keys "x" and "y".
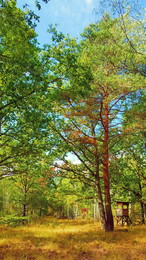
{"x": 72, "y": 240}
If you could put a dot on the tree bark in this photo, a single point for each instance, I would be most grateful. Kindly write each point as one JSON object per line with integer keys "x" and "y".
{"x": 98, "y": 185}
{"x": 145, "y": 209}
{"x": 108, "y": 210}
{"x": 24, "y": 213}
{"x": 142, "y": 212}
{"x": 100, "y": 205}
{"x": 24, "y": 210}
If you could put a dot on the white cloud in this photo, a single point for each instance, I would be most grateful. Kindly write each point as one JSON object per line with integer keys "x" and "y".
{"x": 72, "y": 158}
{"x": 89, "y": 2}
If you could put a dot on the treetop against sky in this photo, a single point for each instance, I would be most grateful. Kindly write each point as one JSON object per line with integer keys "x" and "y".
{"x": 71, "y": 16}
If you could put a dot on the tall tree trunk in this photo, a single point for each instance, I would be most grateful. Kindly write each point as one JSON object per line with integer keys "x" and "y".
{"x": 98, "y": 185}
{"x": 24, "y": 213}
{"x": 24, "y": 204}
{"x": 142, "y": 212}
{"x": 108, "y": 210}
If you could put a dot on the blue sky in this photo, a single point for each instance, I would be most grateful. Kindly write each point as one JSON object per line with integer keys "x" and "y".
{"x": 72, "y": 16}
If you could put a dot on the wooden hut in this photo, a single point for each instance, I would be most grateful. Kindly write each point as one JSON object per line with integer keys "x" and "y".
{"x": 122, "y": 213}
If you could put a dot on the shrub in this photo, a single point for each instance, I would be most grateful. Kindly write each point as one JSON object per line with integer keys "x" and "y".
{"x": 13, "y": 221}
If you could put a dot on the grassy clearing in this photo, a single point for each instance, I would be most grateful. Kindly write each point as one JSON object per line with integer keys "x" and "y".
{"x": 71, "y": 240}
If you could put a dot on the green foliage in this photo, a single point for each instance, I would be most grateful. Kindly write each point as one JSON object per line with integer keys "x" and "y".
{"x": 53, "y": 103}
{"x": 20, "y": 64}
{"x": 13, "y": 221}
{"x": 24, "y": 93}
{"x": 107, "y": 66}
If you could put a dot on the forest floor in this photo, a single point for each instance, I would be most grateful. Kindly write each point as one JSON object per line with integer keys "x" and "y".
{"x": 71, "y": 240}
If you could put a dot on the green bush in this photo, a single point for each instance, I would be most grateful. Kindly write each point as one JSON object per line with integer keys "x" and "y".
{"x": 13, "y": 221}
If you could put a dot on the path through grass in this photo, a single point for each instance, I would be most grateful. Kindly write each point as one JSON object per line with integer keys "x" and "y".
{"x": 71, "y": 240}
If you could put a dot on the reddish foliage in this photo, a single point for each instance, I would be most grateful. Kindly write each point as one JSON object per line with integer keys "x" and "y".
{"x": 84, "y": 210}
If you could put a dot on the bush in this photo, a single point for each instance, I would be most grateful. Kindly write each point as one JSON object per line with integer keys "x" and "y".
{"x": 13, "y": 221}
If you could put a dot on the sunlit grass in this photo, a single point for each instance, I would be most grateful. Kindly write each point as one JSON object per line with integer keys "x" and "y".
{"x": 71, "y": 240}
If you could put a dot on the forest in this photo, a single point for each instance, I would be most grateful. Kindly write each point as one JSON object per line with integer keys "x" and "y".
{"x": 72, "y": 127}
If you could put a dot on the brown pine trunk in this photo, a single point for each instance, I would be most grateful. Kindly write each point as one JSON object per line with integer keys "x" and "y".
{"x": 108, "y": 210}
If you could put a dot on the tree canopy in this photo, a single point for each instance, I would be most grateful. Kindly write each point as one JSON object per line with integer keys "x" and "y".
{"x": 84, "y": 98}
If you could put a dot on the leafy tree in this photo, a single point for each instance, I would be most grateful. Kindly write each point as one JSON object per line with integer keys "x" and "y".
{"x": 24, "y": 85}
{"x": 93, "y": 105}
{"x": 129, "y": 162}
{"x": 27, "y": 192}
{"x": 129, "y": 172}
{"x": 19, "y": 60}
